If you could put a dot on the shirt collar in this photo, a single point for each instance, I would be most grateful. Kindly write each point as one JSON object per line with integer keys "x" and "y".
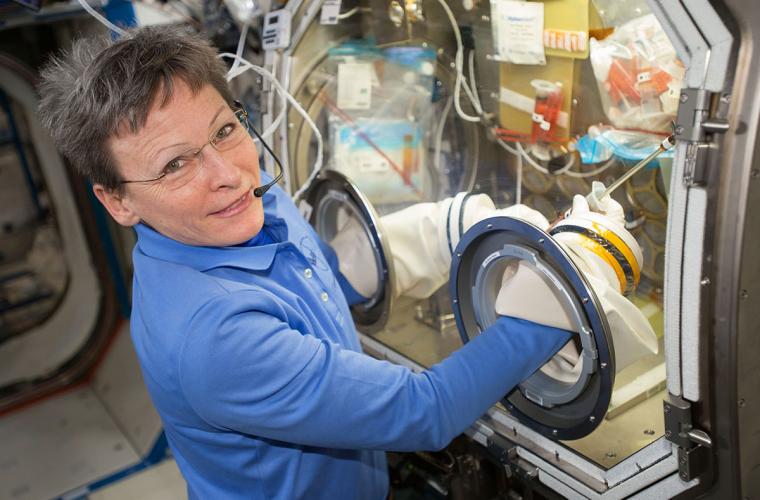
{"x": 250, "y": 255}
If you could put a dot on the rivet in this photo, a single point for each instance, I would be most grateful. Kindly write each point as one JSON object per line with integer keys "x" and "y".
{"x": 592, "y": 419}
{"x": 459, "y": 254}
{"x": 489, "y": 226}
{"x": 603, "y": 365}
{"x": 541, "y": 240}
{"x": 584, "y": 300}
{"x": 555, "y": 432}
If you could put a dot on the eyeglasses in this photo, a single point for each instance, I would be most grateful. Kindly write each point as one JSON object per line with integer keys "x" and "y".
{"x": 183, "y": 168}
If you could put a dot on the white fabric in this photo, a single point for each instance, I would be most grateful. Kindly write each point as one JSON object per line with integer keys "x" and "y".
{"x": 605, "y": 206}
{"x": 527, "y": 294}
{"x": 419, "y": 247}
{"x": 355, "y": 257}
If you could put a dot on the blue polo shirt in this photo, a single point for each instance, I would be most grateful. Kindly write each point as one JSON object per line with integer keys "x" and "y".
{"x": 252, "y": 360}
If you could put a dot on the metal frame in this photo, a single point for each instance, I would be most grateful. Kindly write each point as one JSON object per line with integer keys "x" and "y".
{"x": 483, "y": 244}
{"x": 370, "y": 317}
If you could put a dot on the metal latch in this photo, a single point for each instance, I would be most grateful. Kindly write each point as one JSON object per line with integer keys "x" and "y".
{"x": 693, "y": 121}
{"x": 692, "y": 125}
{"x": 694, "y": 445}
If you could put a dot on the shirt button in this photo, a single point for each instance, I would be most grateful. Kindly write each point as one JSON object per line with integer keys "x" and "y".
{"x": 308, "y": 273}
{"x": 324, "y": 296}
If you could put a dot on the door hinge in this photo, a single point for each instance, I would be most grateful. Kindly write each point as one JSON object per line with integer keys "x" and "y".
{"x": 693, "y": 123}
{"x": 694, "y": 456}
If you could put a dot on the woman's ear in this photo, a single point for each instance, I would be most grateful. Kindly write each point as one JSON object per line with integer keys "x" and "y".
{"x": 116, "y": 204}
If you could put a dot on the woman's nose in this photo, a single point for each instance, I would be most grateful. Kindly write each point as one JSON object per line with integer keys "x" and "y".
{"x": 221, "y": 171}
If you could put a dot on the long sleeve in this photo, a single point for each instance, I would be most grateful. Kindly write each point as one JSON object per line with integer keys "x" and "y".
{"x": 243, "y": 368}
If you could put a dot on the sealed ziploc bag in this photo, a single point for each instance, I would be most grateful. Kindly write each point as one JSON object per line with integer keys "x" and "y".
{"x": 602, "y": 143}
{"x": 384, "y": 157}
{"x": 639, "y": 75}
{"x": 380, "y": 118}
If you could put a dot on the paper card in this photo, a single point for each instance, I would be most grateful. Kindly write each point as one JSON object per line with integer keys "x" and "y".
{"x": 519, "y": 31}
{"x": 355, "y": 85}
{"x": 330, "y": 11}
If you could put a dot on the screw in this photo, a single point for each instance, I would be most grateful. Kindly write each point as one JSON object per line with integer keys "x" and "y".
{"x": 456, "y": 301}
{"x": 541, "y": 240}
{"x": 725, "y": 98}
{"x": 744, "y": 294}
{"x": 459, "y": 254}
{"x": 555, "y": 432}
{"x": 684, "y": 476}
{"x": 489, "y": 226}
{"x": 592, "y": 419}
{"x": 755, "y": 173}
{"x": 603, "y": 365}
{"x": 610, "y": 454}
{"x": 667, "y": 408}
{"x": 485, "y": 18}
{"x": 679, "y": 130}
{"x": 489, "y": 57}
{"x": 584, "y": 300}
{"x": 683, "y": 460}
{"x": 668, "y": 434}
{"x": 649, "y": 432}
{"x": 742, "y": 403}
{"x": 684, "y": 97}
{"x": 453, "y": 65}
{"x": 705, "y": 281}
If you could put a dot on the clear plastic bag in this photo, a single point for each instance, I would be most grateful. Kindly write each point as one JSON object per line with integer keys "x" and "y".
{"x": 639, "y": 75}
{"x": 601, "y": 143}
{"x": 378, "y": 137}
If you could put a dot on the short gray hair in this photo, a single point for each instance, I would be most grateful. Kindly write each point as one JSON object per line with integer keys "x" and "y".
{"x": 98, "y": 86}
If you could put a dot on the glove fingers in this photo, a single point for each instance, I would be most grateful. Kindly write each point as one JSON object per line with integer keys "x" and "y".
{"x": 527, "y": 295}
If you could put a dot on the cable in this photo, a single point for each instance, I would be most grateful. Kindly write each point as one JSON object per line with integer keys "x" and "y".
{"x": 439, "y": 134}
{"x": 472, "y": 78}
{"x": 100, "y": 18}
{"x": 246, "y": 65}
{"x": 458, "y": 62}
{"x": 240, "y": 46}
{"x": 565, "y": 170}
{"x": 351, "y": 12}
